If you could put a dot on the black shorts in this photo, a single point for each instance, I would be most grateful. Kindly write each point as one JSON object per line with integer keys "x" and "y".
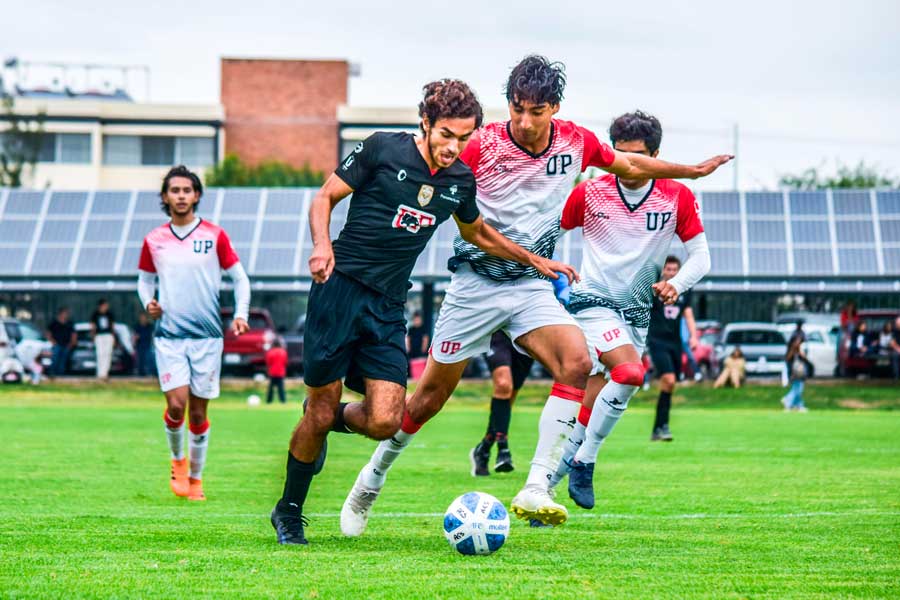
{"x": 503, "y": 354}
{"x": 666, "y": 357}
{"x": 353, "y": 332}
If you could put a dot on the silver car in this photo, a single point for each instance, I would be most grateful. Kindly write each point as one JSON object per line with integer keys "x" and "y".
{"x": 762, "y": 344}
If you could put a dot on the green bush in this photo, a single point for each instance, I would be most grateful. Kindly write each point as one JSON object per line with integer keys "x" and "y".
{"x": 233, "y": 172}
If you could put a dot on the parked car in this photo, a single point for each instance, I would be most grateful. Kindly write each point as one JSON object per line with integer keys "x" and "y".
{"x": 247, "y": 353}
{"x": 83, "y": 359}
{"x": 24, "y": 343}
{"x": 849, "y": 366}
{"x": 704, "y": 354}
{"x": 820, "y": 346}
{"x": 762, "y": 344}
{"x": 293, "y": 343}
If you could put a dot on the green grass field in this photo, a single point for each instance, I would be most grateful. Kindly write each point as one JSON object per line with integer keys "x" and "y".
{"x": 748, "y": 502}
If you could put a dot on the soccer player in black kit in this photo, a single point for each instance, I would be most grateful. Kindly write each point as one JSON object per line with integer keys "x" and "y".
{"x": 664, "y": 343}
{"x": 403, "y": 187}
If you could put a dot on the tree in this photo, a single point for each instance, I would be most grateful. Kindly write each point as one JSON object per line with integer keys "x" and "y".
{"x": 19, "y": 144}
{"x": 233, "y": 172}
{"x": 860, "y": 176}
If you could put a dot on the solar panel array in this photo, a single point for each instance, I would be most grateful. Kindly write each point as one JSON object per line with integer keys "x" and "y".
{"x": 840, "y": 233}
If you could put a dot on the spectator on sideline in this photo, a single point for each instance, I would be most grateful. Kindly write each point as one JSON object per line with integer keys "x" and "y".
{"x": 104, "y": 336}
{"x": 61, "y": 334}
{"x": 276, "y": 367}
{"x": 734, "y": 370}
{"x": 798, "y": 371}
{"x": 143, "y": 346}
{"x": 849, "y": 317}
{"x": 859, "y": 340}
{"x": 883, "y": 342}
{"x": 798, "y": 332}
{"x": 895, "y": 350}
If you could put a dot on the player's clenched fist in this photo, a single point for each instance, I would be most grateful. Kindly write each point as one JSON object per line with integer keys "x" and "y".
{"x": 154, "y": 309}
{"x": 666, "y": 292}
{"x": 321, "y": 262}
{"x": 239, "y": 326}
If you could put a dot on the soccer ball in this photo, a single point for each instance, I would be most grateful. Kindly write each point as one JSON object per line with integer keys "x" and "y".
{"x": 253, "y": 400}
{"x": 476, "y": 523}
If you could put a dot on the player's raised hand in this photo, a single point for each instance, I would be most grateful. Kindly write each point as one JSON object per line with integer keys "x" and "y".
{"x": 239, "y": 326}
{"x": 665, "y": 291}
{"x": 708, "y": 166}
{"x": 321, "y": 262}
{"x": 551, "y": 267}
{"x": 154, "y": 309}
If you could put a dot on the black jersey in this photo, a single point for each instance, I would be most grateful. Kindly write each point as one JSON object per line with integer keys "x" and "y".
{"x": 665, "y": 320}
{"x": 396, "y": 207}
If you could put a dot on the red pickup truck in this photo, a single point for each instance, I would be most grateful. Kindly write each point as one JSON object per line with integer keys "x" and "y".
{"x": 247, "y": 353}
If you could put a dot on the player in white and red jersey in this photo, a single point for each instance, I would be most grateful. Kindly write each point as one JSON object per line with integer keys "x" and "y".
{"x": 524, "y": 170}
{"x": 628, "y": 226}
{"x": 187, "y": 255}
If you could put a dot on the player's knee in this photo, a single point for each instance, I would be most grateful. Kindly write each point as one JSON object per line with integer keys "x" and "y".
{"x": 503, "y": 388}
{"x": 320, "y": 416}
{"x": 382, "y": 427}
{"x": 628, "y": 374}
{"x": 197, "y": 416}
{"x": 575, "y": 370}
{"x": 667, "y": 382}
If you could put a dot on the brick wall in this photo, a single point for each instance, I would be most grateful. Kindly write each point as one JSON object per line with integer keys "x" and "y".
{"x": 284, "y": 109}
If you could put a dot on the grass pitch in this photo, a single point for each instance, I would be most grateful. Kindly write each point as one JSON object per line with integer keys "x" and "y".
{"x": 748, "y": 502}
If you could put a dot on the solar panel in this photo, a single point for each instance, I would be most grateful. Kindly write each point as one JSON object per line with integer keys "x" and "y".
{"x": 854, "y": 232}
{"x": 274, "y": 261}
{"x": 890, "y": 230}
{"x": 857, "y": 261}
{"x": 12, "y": 260}
{"x": 239, "y": 230}
{"x": 285, "y": 202}
{"x": 726, "y": 261}
{"x": 96, "y": 261}
{"x": 891, "y": 261}
{"x": 240, "y": 201}
{"x": 110, "y": 203}
{"x": 721, "y": 203}
{"x": 130, "y": 258}
{"x": 764, "y": 232}
{"x": 280, "y": 231}
{"x": 140, "y": 227}
{"x": 808, "y": 203}
{"x": 889, "y": 202}
{"x": 722, "y": 230}
{"x": 23, "y": 202}
{"x": 812, "y": 261}
{"x": 17, "y": 231}
{"x": 764, "y": 203}
{"x": 67, "y": 203}
{"x": 51, "y": 261}
{"x": 768, "y": 261}
{"x": 812, "y": 232}
{"x": 60, "y": 231}
{"x": 103, "y": 230}
{"x": 852, "y": 202}
{"x": 148, "y": 204}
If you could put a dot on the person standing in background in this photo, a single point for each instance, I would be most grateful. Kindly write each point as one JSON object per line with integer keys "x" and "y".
{"x": 143, "y": 346}
{"x": 103, "y": 334}
{"x": 276, "y": 367}
{"x": 895, "y": 350}
{"x": 798, "y": 371}
{"x": 61, "y": 334}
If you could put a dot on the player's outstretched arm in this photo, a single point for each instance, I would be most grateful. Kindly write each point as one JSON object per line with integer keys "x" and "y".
{"x": 629, "y": 165}
{"x": 321, "y": 261}
{"x": 492, "y": 241}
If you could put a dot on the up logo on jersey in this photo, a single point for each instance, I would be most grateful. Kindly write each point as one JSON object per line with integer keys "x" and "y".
{"x": 558, "y": 163}
{"x": 202, "y": 246}
{"x": 656, "y": 220}
{"x": 412, "y": 219}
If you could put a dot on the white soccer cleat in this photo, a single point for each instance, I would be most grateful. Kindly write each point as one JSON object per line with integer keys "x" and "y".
{"x": 536, "y": 502}
{"x": 355, "y": 511}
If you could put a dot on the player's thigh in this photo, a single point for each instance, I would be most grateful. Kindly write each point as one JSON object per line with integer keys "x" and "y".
{"x": 330, "y": 333}
{"x": 380, "y": 349}
{"x": 543, "y": 329}
{"x": 470, "y": 314}
{"x": 384, "y": 403}
{"x": 172, "y": 363}
{"x": 205, "y": 358}
{"x": 434, "y": 388}
{"x": 610, "y": 339}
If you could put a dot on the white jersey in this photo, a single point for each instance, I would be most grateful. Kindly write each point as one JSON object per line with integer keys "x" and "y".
{"x": 625, "y": 245}
{"x": 190, "y": 278}
{"x": 521, "y": 194}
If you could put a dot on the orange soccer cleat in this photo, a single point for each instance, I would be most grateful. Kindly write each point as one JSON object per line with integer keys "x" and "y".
{"x": 179, "y": 480}
{"x": 196, "y": 490}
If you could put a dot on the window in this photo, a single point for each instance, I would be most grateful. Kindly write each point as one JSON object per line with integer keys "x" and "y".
{"x": 72, "y": 148}
{"x": 751, "y": 336}
{"x": 815, "y": 337}
{"x": 157, "y": 150}
{"x": 121, "y": 150}
{"x": 194, "y": 151}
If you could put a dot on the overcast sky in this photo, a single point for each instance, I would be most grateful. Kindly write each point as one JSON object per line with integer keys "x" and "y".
{"x": 808, "y": 82}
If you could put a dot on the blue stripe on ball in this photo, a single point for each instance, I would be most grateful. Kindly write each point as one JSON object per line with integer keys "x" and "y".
{"x": 467, "y": 546}
{"x": 494, "y": 541}
{"x": 451, "y": 523}
{"x": 498, "y": 512}
{"x": 470, "y": 501}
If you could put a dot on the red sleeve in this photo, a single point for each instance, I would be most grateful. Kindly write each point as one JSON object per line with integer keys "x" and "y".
{"x": 472, "y": 152}
{"x": 227, "y": 256}
{"x": 146, "y": 261}
{"x": 596, "y": 153}
{"x": 573, "y": 211}
{"x": 688, "y": 222}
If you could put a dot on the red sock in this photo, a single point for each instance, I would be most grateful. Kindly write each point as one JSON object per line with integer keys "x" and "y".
{"x": 584, "y": 415}
{"x": 408, "y": 425}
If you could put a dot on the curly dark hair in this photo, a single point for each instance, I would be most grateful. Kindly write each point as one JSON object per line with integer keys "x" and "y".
{"x": 179, "y": 171}
{"x": 537, "y": 80}
{"x": 449, "y": 99}
{"x": 637, "y": 125}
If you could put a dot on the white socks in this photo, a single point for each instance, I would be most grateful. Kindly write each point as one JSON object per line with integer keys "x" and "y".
{"x": 576, "y": 438}
{"x": 556, "y": 424}
{"x": 199, "y": 441}
{"x": 608, "y": 409}
{"x": 175, "y": 436}
{"x": 387, "y": 451}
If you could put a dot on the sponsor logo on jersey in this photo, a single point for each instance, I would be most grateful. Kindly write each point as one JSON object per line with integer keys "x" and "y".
{"x": 599, "y": 214}
{"x": 347, "y": 163}
{"x": 454, "y": 189}
{"x": 412, "y": 219}
{"x": 401, "y": 174}
{"x": 671, "y": 311}
{"x": 426, "y": 192}
{"x": 359, "y": 148}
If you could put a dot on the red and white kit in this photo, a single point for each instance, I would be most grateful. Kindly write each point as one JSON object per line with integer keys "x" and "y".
{"x": 625, "y": 246}
{"x": 521, "y": 195}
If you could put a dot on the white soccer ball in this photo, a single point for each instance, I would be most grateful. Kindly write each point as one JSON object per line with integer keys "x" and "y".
{"x": 259, "y": 378}
{"x": 476, "y": 523}
{"x": 253, "y": 400}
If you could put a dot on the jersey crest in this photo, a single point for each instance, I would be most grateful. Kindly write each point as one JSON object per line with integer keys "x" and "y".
{"x": 412, "y": 219}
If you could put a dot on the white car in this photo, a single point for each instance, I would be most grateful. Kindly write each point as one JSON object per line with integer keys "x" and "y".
{"x": 820, "y": 346}
{"x": 762, "y": 345}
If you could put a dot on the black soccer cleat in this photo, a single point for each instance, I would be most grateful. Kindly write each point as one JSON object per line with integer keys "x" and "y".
{"x": 289, "y": 528}
{"x": 661, "y": 434}
{"x": 504, "y": 462}
{"x": 581, "y": 484}
{"x": 479, "y": 456}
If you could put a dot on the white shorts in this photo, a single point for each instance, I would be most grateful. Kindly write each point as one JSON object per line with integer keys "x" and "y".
{"x": 475, "y": 307}
{"x": 193, "y": 362}
{"x": 605, "y": 329}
